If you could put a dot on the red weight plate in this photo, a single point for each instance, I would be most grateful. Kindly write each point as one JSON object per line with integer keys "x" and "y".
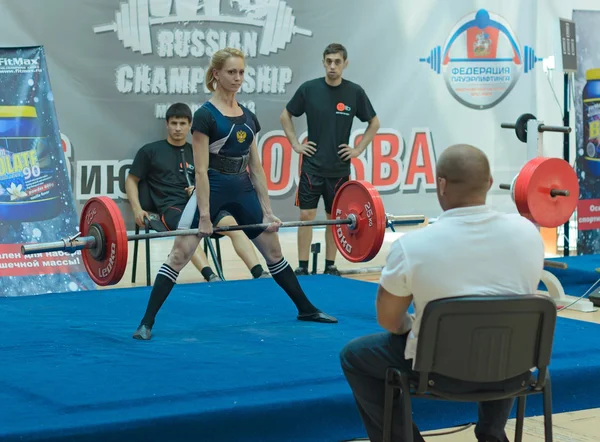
{"x": 364, "y": 241}
{"x": 104, "y": 212}
{"x": 532, "y": 191}
{"x": 521, "y": 187}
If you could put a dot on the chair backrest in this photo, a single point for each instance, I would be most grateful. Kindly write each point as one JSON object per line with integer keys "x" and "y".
{"x": 486, "y": 338}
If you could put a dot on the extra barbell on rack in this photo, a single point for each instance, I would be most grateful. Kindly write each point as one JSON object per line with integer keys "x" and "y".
{"x": 132, "y": 23}
{"x": 545, "y": 191}
{"x": 520, "y": 127}
{"x": 357, "y": 213}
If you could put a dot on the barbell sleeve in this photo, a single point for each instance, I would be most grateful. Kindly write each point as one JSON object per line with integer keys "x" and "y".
{"x": 555, "y": 265}
{"x": 67, "y": 245}
{"x": 508, "y": 126}
{"x": 563, "y": 129}
{"x": 559, "y": 192}
{"x": 505, "y": 186}
{"x": 405, "y": 219}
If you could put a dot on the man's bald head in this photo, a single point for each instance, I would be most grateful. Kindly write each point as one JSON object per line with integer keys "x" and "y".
{"x": 464, "y": 176}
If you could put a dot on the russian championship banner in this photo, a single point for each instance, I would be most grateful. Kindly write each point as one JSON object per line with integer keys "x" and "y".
{"x": 36, "y": 202}
{"x": 587, "y": 117}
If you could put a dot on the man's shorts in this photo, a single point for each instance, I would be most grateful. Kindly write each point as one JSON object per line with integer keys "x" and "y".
{"x": 229, "y": 194}
{"x": 312, "y": 187}
{"x": 172, "y": 215}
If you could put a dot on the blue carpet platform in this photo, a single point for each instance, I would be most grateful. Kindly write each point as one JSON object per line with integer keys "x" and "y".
{"x": 228, "y": 362}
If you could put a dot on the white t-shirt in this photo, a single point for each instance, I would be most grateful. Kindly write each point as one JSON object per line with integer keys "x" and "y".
{"x": 467, "y": 251}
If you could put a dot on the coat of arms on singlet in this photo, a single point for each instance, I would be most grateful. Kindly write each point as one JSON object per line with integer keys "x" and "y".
{"x": 241, "y": 136}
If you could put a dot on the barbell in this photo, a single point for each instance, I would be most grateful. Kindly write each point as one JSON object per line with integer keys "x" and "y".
{"x": 520, "y": 127}
{"x": 545, "y": 191}
{"x": 358, "y": 217}
{"x": 133, "y": 21}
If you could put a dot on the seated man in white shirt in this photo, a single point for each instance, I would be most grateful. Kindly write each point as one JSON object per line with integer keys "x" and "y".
{"x": 469, "y": 250}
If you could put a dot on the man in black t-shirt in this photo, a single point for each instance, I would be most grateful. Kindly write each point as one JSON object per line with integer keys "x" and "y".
{"x": 330, "y": 104}
{"x": 167, "y": 169}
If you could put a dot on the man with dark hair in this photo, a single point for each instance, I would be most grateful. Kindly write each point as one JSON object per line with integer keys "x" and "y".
{"x": 330, "y": 104}
{"x": 167, "y": 167}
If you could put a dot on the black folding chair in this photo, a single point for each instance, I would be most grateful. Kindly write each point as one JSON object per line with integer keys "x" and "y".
{"x": 154, "y": 223}
{"x": 489, "y": 343}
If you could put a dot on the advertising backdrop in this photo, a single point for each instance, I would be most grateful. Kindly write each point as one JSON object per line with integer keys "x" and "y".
{"x": 587, "y": 123}
{"x": 437, "y": 73}
{"x": 36, "y": 204}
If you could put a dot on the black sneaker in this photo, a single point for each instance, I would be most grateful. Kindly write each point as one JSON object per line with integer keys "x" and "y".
{"x": 301, "y": 271}
{"x": 332, "y": 270}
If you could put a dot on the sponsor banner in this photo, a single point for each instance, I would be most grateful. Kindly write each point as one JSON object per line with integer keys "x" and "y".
{"x": 36, "y": 202}
{"x": 587, "y": 124}
{"x": 588, "y": 215}
{"x": 450, "y": 75}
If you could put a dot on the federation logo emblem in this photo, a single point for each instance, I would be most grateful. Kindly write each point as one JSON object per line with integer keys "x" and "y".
{"x": 481, "y": 60}
{"x": 241, "y": 136}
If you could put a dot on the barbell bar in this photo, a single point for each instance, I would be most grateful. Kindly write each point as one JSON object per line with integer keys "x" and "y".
{"x": 78, "y": 242}
{"x": 520, "y": 127}
{"x": 133, "y": 21}
{"x": 359, "y": 227}
{"x": 553, "y": 192}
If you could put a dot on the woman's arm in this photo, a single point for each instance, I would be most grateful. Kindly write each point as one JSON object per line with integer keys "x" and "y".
{"x": 200, "y": 147}
{"x": 259, "y": 180}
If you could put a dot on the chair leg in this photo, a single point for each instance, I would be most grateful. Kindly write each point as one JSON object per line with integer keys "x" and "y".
{"x": 407, "y": 424}
{"x": 388, "y": 407}
{"x": 547, "y": 393}
{"x": 218, "y": 244}
{"x": 135, "y": 255}
{"x": 521, "y": 402}
{"x": 211, "y": 249}
{"x": 147, "y": 257}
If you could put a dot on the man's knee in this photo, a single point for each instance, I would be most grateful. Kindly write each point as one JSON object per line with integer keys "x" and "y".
{"x": 308, "y": 214}
{"x": 181, "y": 253}
{"x": 351, "y": 355}
{"x": 227, "y": 221}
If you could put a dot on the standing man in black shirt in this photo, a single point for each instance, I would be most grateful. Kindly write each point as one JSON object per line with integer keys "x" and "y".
{"x": 330, "y": 104}
{"x": 167, "y": 166}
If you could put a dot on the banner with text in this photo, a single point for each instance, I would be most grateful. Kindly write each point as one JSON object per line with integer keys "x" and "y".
{"x": 437, "y": 74}
{"x": 587, "y": 123}
{"x": 36, "y": 202}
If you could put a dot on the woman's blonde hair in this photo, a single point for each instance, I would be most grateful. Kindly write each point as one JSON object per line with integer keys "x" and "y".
{"x": 217, "y": 62}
